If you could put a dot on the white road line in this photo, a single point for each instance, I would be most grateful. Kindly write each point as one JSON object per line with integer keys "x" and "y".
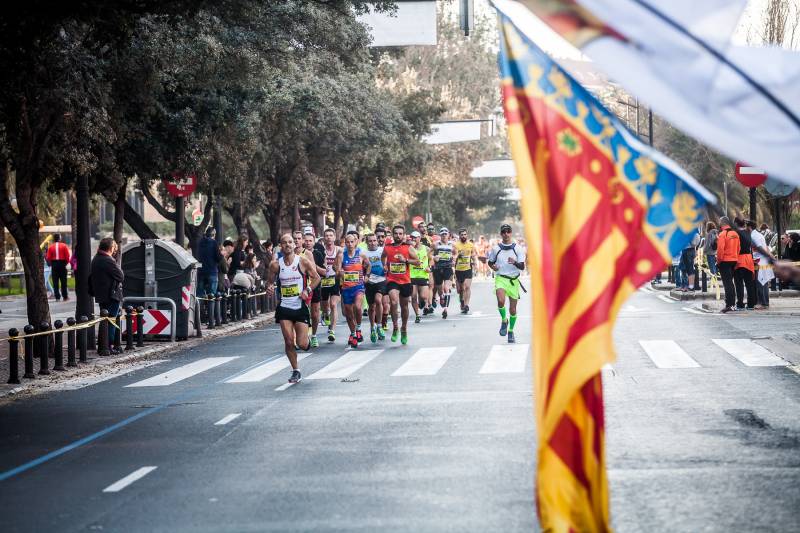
{"x": 182, "y": 372}
{"x": 130, "y": 478}
{"x": 262, "y": 372}
{"x": 750, "y": 353}
{"x": 667, "y": 299}
{"x": 693, "y": 311}
{"x": 506, "y": 359}
{"x": 425, "y": 362}
{"x": 346, "y": 364}
{"x": 667, "y": 354}
{"x": 284, "y": 386}
{"x": 228, "y": 418}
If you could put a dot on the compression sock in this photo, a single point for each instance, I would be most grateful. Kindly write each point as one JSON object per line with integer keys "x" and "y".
{"x": 511, "y": 321}
{"x": 502, "y": 311}
{"x": 447, "y": 300}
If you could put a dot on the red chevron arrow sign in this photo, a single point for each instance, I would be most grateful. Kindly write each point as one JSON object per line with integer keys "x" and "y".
{"x": 156, "y": 322}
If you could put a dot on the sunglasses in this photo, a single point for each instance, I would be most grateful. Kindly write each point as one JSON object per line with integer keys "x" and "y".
{"x": 506, "y": 231}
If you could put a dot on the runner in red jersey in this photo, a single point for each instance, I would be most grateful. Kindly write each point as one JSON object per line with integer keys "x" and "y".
{"x": 397, "y": 256}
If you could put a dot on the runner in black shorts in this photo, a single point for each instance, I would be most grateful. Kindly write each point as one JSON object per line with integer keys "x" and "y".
{"x": 318, "y": 254}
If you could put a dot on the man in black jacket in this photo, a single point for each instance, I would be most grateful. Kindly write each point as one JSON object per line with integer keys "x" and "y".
{"x": 106, "y": 281}
{"x": 209, "y": 256}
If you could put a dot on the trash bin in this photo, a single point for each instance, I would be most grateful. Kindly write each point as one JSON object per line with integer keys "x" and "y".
{"x": 159, "y": 268}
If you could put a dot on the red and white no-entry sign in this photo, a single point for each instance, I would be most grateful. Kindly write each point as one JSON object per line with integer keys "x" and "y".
{"x": 417, "y": 220}
{"x": 749, "y": 176}
{"x": 156, "y": 322}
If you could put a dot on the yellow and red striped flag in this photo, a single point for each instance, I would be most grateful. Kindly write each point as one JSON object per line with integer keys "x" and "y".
{"x": 603, "y": 214}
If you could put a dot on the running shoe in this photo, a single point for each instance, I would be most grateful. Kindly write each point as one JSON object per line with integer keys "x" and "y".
{"x": 352, "y": 341}
{"x": 511, "y": 337}
{"x": 395, "y": 333}
{"x": 373, "y": 335}
{"x": 295, "y": 377}
{"x": 314, "y": 342}
{"x": 417, "y": 320}
{"x": 381, "y": 333}
{"x": 503, "y": 328}
{"x": 359, "y": 336}
{"x": 444, "y": 313}
{"x": 404, "y": 337}
{"x": 331, "y": 336}
{"x": 326, "y": 320}
{"x": 466, "y": 309}
{"x": 433, "y": 304}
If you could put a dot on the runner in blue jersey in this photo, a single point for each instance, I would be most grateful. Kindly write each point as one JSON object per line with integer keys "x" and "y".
{"x": 375, "y": 288}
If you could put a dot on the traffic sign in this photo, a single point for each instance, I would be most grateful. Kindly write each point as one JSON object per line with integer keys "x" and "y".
{"x": 181, "y": 184}
{"x": 417, "y": 220}
{"x": 777, "y": 188}
{"x": 749, "y": 176}
{"x": 156, "y": 322}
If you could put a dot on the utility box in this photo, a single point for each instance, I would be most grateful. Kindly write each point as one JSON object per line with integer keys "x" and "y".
{"x": 158, "y": 268}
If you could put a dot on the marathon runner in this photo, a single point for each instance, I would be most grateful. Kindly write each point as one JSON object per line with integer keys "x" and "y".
{"x": 482, "y": 247}
{"x": 443, "y": 252}
{"x": 423, "y": 233}
{"x": 419, "y": 277}
{"x": 318, "y": 256}
{"x": 351, "y": 266}
{"x": 507, "y": 259}
{"x": 465, "y": 263}
{"x": 330, "y": 283}
{"x": 375, "y": 288}
{"x": 292, "y": 314}
{"x": 380, "y": 231}
{"x": 397, "y": 256}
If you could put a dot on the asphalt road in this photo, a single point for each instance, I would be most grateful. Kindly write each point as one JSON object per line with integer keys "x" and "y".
{"x": 388, "y": 438}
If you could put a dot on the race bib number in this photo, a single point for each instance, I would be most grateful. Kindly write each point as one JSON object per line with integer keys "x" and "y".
{"x": 290, "y": 291}
{"x": 445, "y": 256}
{"x": 397, "y": 268}
{"x": 352, "y": 277}
{"x": 328, "y": 282}
{"x": 463, "y": 261}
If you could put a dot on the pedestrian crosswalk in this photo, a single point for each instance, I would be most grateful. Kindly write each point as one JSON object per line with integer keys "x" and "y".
{"x": 499, "y": 359}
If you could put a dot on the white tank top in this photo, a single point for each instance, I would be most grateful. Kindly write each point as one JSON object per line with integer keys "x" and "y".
{"x": 330, "y": 260}
{"x": 292, "y": 283}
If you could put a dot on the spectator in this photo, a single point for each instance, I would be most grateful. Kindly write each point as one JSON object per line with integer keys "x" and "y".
{"x": 687, "y": 264}
{"x": 791, "y": 242}
{"x": 48, "y": 271}
{"x": 105, "y": 282}
{"x": 246, "y": 277}
{"x": 58, "y": 257}
{"x": 743, "y": 275}
{"x": 210, "y": 257}
{"x": 222, "y": 267}
{"x": 238, "y": 255}
{"x": 710, "y": 247}
{"x": 763, "y": 259}
{"x": 768, "y": 234}
{"x": 727, "y": 255}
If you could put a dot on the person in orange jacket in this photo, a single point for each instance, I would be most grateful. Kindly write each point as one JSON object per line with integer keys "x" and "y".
{"x": 743, "y": 276}
{"x": 728, "y": 247}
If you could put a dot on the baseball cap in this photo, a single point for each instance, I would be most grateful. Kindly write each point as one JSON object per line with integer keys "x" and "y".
{"x": 443, "y": 231}
{"x": 505, "y": 227}
{"x": 415, "y": 234}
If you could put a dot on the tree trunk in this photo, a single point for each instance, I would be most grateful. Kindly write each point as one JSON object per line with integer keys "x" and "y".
{"x": 296, "y": 217}
{"x": 238, "y": 220}
{"x": 74, "y": 221}
{"x": 274, "y": 222}
{"x": 258, "y": 249}
{"x": 137, "y": 223}
{"x": 119, "y": 219}
{"x": 35, "y": 292}
{"x": 337, "y": 211}
{"x": 2, "y": 247}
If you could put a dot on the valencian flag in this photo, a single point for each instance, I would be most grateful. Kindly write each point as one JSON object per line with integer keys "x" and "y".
{"x": 603, "y": 214}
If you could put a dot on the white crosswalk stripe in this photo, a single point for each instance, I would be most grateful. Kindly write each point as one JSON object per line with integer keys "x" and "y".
{"x": 130, "y": 478}
{"x": 750, "y": 353}
{"x": 506, "y": 359}
{"x": 182, "y": 372}
{"x": 345, "y": 365}
{"x": 425, "y": 362}
{"x": 667, "y": 354}
{"x": 262, "y": 372}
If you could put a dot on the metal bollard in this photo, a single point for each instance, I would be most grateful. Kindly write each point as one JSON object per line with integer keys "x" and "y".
{"x": 13, "y": 356}
{"x": 83, "y": 339}
{"x": 28, "y": 329}
{"x": 253, "y": 301}
{"x": 71, "y": 343}
{"x": 246, "y": 304}
{"x": 210, "y": 310}
{"x": 91, "y": 337}
{"x": 102, "y": 335}
{"x": 140, "y": 327}
{"x": 218, "y": 309}
{"x": 224, "y": 310}
{"x": 129, "y": 313}
{"x": 59, "y": 346}
{"x": 43, "y": 349}
{"x": 234, "y": 305}
{"x": 704, "y": 282}
{"x": 114, "y": 329}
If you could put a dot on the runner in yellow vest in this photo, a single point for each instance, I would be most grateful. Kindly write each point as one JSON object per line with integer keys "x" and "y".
{"x": 419, "y": 276}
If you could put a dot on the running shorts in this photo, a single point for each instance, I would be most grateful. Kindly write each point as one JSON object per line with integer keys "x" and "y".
{"x": 510, "y": 285}
{"x": 404, "y": 288}
{"x": 316, "y": 295}
{"x": 440, "y": 275}
{"x": 461, "y": 275}
{"x": 420, "y": 282}
{"x": 371, "y": 289}
{"x": 349, "y": 294}
{"x": 332, "y": 290}
{"x": 295, "y": 315}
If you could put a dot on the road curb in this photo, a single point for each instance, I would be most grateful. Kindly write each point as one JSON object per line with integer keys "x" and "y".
{"x": 99, "y": 367}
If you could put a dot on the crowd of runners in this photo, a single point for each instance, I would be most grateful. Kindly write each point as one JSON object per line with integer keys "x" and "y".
{"x": 385, "y": 274}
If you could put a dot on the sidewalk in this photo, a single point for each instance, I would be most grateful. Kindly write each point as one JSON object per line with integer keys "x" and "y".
{"x": 790, "y": 297}
{"x": 99, "y": 369}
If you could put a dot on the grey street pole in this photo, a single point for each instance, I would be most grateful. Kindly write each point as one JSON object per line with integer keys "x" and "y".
{"x": 218, "y": 219}
{"x": 180, "y": 219}
{"x": 84, "y": 306}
